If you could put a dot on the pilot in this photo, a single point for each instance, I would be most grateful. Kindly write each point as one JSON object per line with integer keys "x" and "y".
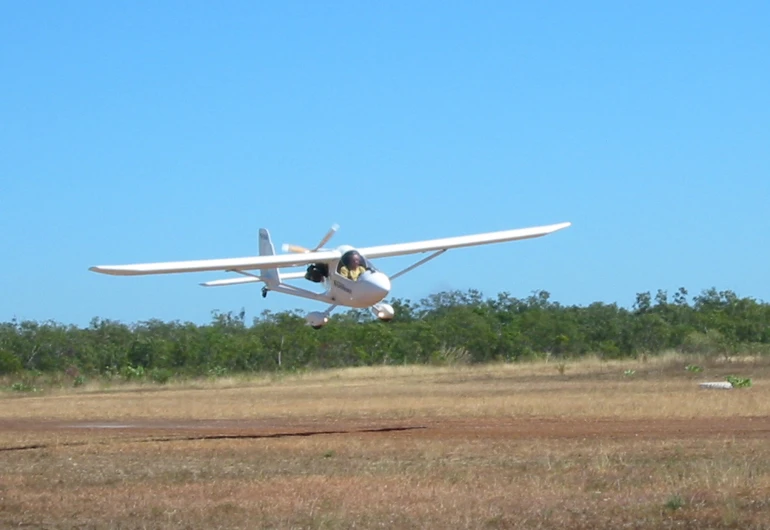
{"x": 354, "y": 268}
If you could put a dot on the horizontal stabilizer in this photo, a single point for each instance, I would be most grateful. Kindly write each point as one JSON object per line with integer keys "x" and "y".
{"x": 231, "y": 281}
{"x": 250, "y": 279}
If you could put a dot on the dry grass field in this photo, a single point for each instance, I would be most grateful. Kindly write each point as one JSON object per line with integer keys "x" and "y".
{"x": 587, "y": 444}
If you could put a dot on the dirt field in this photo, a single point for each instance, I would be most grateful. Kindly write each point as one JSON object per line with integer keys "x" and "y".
{"x": 488, "y": 447}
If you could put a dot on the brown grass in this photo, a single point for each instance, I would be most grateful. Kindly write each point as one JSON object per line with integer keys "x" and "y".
{"x": 498, "y": 446}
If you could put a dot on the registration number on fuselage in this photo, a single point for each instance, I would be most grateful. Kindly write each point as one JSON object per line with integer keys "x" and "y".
{"x": 341, "y": 286}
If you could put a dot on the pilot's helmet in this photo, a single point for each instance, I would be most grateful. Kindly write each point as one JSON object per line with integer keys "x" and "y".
{"x": 347, "y": 259}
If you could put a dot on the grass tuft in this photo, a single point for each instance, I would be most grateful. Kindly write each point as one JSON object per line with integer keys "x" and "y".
{"x": 674, "y": 502}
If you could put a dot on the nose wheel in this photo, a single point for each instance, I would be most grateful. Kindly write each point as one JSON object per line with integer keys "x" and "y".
{"x": 264, "y": 292}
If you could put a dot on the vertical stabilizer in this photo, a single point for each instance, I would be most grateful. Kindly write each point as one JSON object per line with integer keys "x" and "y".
{"x": 271, "y": 277}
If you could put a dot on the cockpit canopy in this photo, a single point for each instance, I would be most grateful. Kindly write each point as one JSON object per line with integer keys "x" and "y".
{"x": 318, "y": 272}
{"x": 352, "y": 259}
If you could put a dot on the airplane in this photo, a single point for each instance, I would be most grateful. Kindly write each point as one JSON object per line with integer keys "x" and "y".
{"x": 328, "y": 267}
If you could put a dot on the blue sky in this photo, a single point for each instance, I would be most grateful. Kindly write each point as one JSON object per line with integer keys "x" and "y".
{"x": 139, "y": 131}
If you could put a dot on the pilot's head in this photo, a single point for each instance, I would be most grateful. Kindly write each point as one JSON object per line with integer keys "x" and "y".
{"x": 355, "y": 260}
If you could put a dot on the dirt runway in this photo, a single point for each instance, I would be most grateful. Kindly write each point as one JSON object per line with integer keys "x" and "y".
{"x": 58, "y": 432}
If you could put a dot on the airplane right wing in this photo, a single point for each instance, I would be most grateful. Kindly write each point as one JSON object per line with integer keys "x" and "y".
{"x": 400, "y": 249}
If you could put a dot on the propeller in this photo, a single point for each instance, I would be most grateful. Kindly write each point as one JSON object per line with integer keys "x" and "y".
{"x": 299, "y": 250}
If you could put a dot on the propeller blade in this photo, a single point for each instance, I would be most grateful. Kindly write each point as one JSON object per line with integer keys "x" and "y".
{"x": 301, "y": 250}
{"x": 295, "y": 248}
{"x": 328, "y": 236}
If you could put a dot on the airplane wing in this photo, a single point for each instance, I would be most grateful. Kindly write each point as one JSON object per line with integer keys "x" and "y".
{"x": 401, "y": 249}
{"x": 229, "y": 264}
{"x": 306, "y": 258}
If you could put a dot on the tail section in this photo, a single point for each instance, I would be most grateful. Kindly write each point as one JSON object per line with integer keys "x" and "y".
{"x": 271, "y": 277}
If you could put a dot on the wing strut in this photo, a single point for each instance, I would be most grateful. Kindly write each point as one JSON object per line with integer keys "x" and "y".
{"x": 421, "y": 262}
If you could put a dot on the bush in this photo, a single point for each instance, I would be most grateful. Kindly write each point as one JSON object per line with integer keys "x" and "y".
{"x": 610, "y": 350}
{"x": 23, "y": 386}
{"x": 9, "y": 363}
{"x": 450, "y": 356}
{"x": 130, "y": 373}
{"x": 161, "y": 375}
{"x": 217, "y": 371}
{"x": 738, "y": 382}
{"x": 710, "y": 343}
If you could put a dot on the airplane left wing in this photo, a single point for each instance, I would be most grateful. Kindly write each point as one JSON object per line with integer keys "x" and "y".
{"x": 401, "y": 249}
{"x": 229, "y": 264}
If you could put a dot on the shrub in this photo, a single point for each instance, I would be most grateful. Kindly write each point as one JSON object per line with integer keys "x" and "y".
{"x": 217, "y": 371}
{"x": 674, "y": 503}
{"x": 451, "y": 356}
{"x": 130, "y": 373}
{"x": 23, "y": 386}
{"x": 161, "y": 375}
{"x": 710, "y": 343}
{"x": 738, "y": 382}
{"x": 9, "y": 363}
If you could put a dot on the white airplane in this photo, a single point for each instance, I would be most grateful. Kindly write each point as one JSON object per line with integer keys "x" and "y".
{"x": 327, "y": 267}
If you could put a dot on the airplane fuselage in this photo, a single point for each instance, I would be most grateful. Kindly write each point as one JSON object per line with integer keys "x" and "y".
{"x": 370, "y": 288}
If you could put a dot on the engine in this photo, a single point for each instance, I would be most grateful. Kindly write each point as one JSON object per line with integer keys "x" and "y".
{"x": 316, "y": 272}
{"x": 383, "y": 312}
{"x": 316, "y": 319}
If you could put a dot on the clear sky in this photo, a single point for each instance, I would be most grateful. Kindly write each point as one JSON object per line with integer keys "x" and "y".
{"x": 159, "y": 131}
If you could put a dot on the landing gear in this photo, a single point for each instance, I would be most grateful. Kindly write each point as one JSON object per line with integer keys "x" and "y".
{"x": 264, "y": 292}
{"x": 317, "y": 319}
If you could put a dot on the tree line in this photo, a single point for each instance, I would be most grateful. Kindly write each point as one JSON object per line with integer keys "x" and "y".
{"x": 447, "y": 327}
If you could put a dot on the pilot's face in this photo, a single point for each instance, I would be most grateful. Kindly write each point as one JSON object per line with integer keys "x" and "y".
{"x": 355, "y": 261}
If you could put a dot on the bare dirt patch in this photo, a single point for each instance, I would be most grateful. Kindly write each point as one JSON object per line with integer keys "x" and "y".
{"x": 472, "y": 428}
